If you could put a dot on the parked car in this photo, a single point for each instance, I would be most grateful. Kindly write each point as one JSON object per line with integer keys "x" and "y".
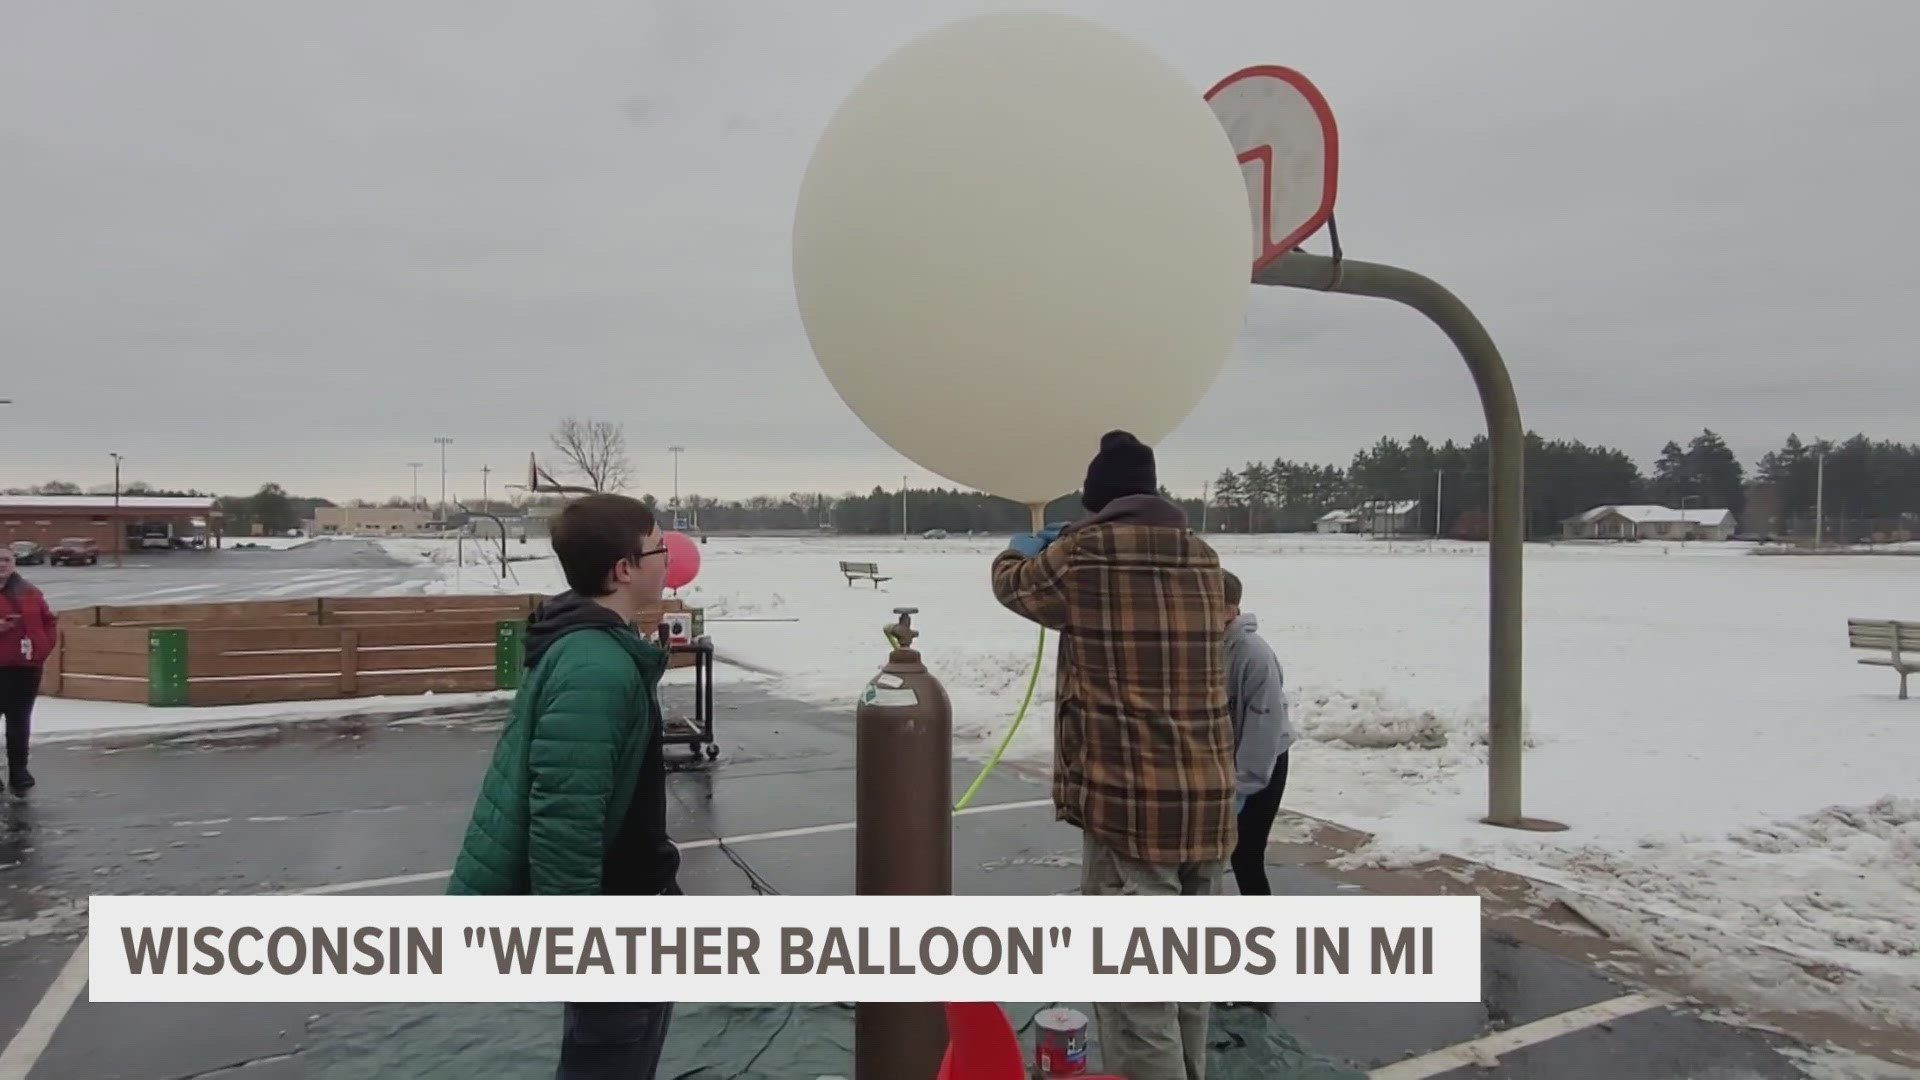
{"x": 75, "y": 551}
{"x": 934, "y": 534}
{"x": 27, "y": 553}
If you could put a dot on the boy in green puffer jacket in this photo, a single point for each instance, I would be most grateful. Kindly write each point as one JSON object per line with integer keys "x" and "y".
{"x": 574, "y": 802}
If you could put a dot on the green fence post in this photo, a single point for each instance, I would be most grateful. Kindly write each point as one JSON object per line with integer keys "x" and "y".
{"x": 509, "y": 653}
{"x": 167, "y": 667}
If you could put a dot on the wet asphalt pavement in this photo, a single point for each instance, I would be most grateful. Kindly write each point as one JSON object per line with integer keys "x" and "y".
{"x": 324, "y": 805}
{"x": 323, "y": 568}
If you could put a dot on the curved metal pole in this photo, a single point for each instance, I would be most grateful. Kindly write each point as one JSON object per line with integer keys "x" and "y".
{"x": 498, "y": 524}
{"x": 1507, "y": 524}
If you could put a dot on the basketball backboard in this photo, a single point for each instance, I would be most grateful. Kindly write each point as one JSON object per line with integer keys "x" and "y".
{"x": 1283, "y": 132}
{"x": 540, "y": 481}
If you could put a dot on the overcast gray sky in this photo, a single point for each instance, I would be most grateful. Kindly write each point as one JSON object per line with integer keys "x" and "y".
{"x": 243, "y": 241}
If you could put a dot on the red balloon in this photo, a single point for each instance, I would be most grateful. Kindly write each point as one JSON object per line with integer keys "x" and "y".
{"x": 683, "y": 560}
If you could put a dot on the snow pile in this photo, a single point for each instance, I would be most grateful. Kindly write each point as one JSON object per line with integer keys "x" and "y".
{"x": 1368, "y": 719}
{"x": 1365, "y": 720}
{"x": 1817, "y": 911}
{"x": 1834, "y": 1063}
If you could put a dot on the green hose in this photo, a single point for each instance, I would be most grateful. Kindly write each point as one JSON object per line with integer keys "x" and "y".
{"x": 1033, "y": 679}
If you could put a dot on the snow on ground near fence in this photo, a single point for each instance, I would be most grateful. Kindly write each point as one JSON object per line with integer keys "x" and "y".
{"x": 1742, "y": 795}
{"x": 66, "y": 719}
{"x": 69, "y": 720}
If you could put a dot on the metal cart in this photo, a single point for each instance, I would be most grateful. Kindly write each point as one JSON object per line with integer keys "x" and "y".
{"x": 694, "y": 732}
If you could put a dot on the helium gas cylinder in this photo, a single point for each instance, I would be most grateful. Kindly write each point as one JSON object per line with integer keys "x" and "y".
{"x": 903, "y": 835}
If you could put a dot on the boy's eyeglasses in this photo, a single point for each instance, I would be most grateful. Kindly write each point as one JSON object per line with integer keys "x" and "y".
{"x": 661, "y": 551}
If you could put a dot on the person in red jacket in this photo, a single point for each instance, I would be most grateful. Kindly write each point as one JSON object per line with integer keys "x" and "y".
{"x": 28, "y": 631}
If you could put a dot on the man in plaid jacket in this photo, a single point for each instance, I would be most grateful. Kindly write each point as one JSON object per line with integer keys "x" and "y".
{"x": 1143, "y": 742}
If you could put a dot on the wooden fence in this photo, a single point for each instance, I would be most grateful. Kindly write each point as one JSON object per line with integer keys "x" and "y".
{"x": 291, "y": 650}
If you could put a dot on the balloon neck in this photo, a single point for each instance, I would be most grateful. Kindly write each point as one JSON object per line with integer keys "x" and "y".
{"x": 1039, "y": 512}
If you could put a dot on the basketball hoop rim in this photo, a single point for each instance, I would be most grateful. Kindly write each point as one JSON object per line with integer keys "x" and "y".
{"x": 1264, "y": 154}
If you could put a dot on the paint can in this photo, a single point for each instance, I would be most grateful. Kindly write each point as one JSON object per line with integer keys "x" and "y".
{"x": 1059, "y": 1043}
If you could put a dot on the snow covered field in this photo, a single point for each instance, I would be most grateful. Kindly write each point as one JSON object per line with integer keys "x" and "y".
{"x": 1743, "y": 797}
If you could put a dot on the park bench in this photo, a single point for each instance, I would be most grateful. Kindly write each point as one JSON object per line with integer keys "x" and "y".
{"x": 862, "y": 571}
{"x": 1899, "y": 640}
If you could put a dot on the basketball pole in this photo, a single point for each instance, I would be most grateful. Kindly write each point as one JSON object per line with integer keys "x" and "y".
{"x": 1506, "y": 529}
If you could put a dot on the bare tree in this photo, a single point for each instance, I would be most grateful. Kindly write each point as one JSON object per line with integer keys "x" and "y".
{"x": 597, "y": 451}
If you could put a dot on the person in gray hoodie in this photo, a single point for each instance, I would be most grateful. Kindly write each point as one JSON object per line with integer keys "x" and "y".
{"x": 1262, "y": 737}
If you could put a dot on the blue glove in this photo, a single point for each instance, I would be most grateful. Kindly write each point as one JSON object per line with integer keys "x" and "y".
{"x": 1030, "y": 544}
{"x": 1027, "y": 545}
{"x": 1239, "y": 804}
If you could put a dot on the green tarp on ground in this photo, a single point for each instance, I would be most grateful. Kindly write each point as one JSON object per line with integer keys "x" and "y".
{"x": 708, "y": 1042}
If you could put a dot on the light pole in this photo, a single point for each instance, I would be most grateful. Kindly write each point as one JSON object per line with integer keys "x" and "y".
{"x": 444, "y": 443}
{"x": 119, "y": 526}
{"x": 485, "y": 503}
{"x": 1686, "y": 526}
{"x": 416, "y": 467}
{"x": 1206, "y": 491}
{"x": 1820, "y": 504}
{"x": 903, "y": 506}
{"x": 676, "y": 451}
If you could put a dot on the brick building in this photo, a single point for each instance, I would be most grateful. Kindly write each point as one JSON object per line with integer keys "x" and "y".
{"x": 367, "y": 521}
{"x": 148, "y": 521}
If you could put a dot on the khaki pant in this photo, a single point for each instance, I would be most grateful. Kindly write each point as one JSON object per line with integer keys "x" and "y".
{"x": 1158, "y": 1040}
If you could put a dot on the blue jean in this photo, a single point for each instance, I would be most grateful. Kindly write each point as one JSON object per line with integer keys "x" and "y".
{"x": 613, "y": 1041}
{"x": 607, "y": 1040}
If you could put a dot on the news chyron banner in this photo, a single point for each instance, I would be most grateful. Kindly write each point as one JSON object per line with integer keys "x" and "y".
{"x": 782, "y": 948}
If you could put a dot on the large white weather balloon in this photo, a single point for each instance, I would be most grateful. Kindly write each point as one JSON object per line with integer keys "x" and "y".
{"x": 1019, "y": 232}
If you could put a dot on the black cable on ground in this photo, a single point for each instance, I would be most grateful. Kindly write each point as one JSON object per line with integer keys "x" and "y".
{"x": 760, "y": 884}
{"x": 755, "y": 879}
{"x": 765, "y": 1046}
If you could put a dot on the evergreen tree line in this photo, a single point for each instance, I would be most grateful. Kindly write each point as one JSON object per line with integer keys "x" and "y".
{"x": 1448, "y": 482}
{"x": 1866, "y": 482}
{"x": 1869, "y": 485}
{"x": 1873, "y": 483}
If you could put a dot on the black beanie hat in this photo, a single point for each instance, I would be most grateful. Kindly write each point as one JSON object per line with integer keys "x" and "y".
{"x": 1124, "y": 466}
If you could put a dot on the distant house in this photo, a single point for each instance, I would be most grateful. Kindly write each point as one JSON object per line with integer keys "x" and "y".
{"x": 1376, "y": 516}
{"x": 1334, "y": 521}
{"x": 1649, "y": 523}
